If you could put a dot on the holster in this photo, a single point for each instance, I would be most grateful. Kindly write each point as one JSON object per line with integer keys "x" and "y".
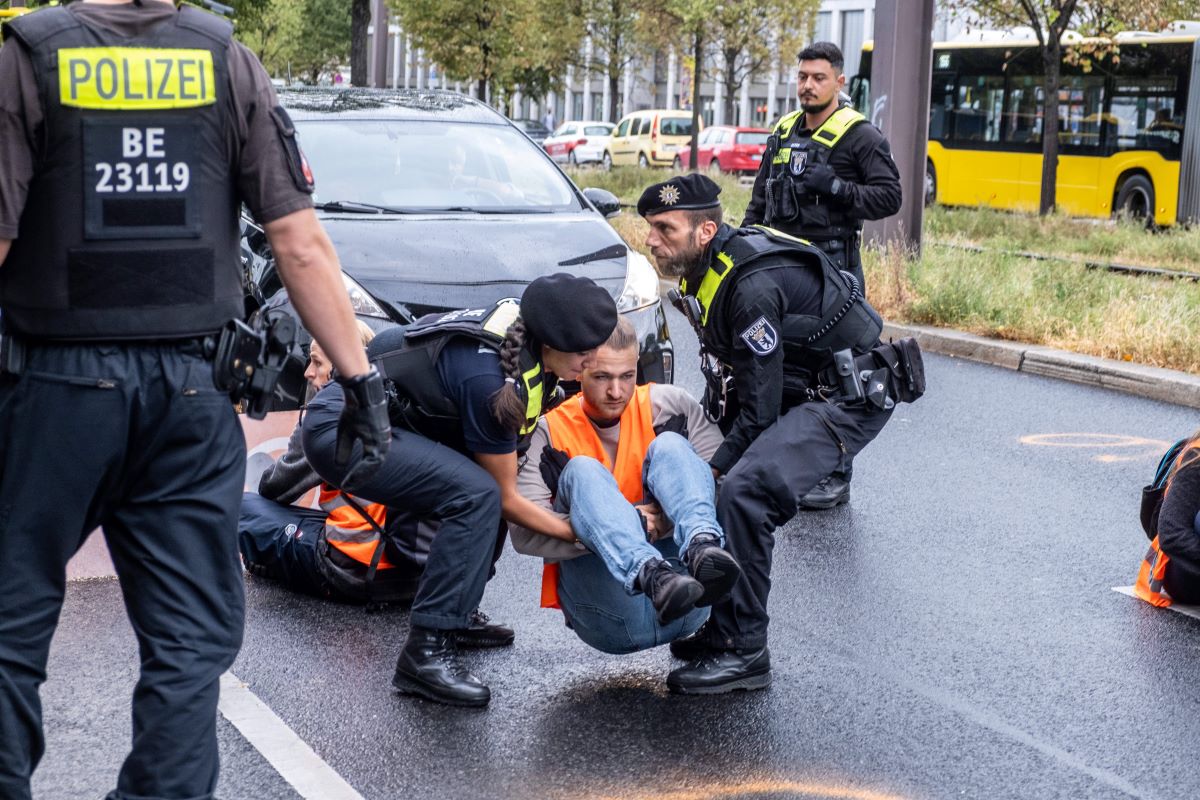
{"x": 12, "y": 355}
{"x": 891, "y": 372}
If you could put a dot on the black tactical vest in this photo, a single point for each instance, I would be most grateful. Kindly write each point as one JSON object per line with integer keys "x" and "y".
{"x": 791, "y": 152}
{"x": 847, "y": 320}
{"x": 418, "y": 402}
{"x": 130, "y": 227}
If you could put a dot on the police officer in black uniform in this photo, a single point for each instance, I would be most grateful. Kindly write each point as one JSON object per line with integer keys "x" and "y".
{"x": 826, "y": 169}
{"x": 129, "y": 134}
{"x": 771, "y": 312}
{"x": 467, "y": 388}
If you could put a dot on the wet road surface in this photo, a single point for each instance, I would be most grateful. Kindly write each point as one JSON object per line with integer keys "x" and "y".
{"x": 951, "y": 633}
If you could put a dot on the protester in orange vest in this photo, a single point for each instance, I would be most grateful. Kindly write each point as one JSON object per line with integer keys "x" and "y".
{"x": 637, "y": 495}
{"x": 325, "y": 552}
{"x": 1171, "y": 570}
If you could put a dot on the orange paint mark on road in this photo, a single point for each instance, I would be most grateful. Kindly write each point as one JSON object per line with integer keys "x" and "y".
{"x": 754, "y": 788}
{"x": 1147, "y": 448}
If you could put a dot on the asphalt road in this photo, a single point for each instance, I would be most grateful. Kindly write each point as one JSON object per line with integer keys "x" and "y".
{"x": 951, "y": 633}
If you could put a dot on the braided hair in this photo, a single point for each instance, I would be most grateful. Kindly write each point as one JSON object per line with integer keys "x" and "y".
{"x": 507, "y": 406}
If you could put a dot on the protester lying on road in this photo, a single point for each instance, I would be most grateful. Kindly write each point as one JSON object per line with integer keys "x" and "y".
{"x": 614, "y": 460}
{"x": 327, "y": 552}
{"x": 1173, "y": 562}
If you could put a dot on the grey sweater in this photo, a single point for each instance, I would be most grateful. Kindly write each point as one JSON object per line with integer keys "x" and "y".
{"x": 290, "y": 477}
{"x": 665, "y": 402}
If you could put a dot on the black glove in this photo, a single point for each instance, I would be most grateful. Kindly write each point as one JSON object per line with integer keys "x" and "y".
{"x": 552, "y": 466}
{"x": 676, "y": 423}
{"x": 365, "y": 420}
{"x": 820, "y": 179}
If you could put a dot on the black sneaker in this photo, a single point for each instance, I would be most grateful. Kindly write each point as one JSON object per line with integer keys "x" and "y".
{"x": 672, "y": 593}
{"x": 715, "y": 569}
{"x": 482, "y": 632}
{"x": 830, "y": 492}
{"x": 429, "y": 667}
{"x": 722, "y": 671}
{"x": 689, "y": 648}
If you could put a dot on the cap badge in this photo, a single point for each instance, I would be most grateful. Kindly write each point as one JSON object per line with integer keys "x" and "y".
{"x": 668, "y": 195}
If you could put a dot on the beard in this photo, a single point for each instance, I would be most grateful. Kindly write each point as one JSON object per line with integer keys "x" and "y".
{"x": 681, "y": 264}
{"x": 815, "y": 108}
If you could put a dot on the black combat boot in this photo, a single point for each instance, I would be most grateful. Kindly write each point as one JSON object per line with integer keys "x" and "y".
{"x": 672, "y": 593}
{"x": 482, "y": 632}
{"x": 428, "y": 666}
{"x": 831, "y": 491}
{"x": 721, "y": 671}
{"x": 689, "y": 648}
{"x": 716, "y": 570}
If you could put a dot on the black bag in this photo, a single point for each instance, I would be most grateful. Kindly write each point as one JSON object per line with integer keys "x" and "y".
{"x": 902, "y": 359}
{"x": 1152, "y": 495}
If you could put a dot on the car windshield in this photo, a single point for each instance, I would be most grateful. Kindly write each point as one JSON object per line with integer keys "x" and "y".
{"x": 417, "y": 166}
{"x": 597, "y": 130}
{"x": 675, "y": 126}
{"x": 752, "y": 138}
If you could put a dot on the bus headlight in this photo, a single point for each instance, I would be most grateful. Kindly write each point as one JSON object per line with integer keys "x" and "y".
{"x": 641, "y": 283}
{"x": 360, "y": 301}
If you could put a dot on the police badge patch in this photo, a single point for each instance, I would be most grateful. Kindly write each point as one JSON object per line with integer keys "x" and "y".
{"x": 799, "y": 159}
{"x": 761, "y": 338}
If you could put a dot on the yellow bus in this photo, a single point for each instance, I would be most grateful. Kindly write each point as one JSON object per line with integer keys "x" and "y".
{"x": 1129, "y": 134}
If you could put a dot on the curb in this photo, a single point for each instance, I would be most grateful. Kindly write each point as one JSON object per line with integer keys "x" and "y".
{"x": 1169, "y": 386}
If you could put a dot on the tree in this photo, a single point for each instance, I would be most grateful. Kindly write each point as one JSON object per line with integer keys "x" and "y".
{"x": 690, "y": 20}
{"x": 1096, "y": 21}
{"x": 749, "y": 34}
{"x": 360, "y": 20}
{"x": 272, "y": 33}
{"x": 324, "y": 37}
{"x": 616, "y": 30}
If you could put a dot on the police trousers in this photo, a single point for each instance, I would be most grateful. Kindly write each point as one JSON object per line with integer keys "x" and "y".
{"x": 761, "y": 492}
{"x": 432, "y": 481}
{"x": 134, "y": 439}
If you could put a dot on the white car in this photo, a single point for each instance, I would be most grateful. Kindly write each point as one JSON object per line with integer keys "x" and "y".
{"x": 578, "y": 142}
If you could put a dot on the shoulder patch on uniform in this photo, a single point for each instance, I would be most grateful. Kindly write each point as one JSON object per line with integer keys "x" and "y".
{"x": 761, "y": 337}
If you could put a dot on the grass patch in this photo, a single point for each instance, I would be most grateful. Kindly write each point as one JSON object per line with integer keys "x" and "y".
{"x": 1059, "y": 304}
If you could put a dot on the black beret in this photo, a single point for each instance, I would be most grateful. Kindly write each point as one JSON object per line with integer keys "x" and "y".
{"x": 568, "y": 313}
{"x": 689, "y": 192}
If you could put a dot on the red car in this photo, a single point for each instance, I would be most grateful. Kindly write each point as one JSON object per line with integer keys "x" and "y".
{"x": 725, "y": 148}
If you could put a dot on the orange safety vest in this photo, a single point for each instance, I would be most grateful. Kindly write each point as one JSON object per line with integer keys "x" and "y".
{"x": 1149, "y": 584}
{"x": 572, "y": 432}
{"x": 346, "y": 529}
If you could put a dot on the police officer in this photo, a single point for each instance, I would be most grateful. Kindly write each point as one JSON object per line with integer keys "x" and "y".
{"x": 826, "y": 169}
{"x": 119, "y": 193}
{"x": 468, "y": 387}
{"x": 772, "y": 311}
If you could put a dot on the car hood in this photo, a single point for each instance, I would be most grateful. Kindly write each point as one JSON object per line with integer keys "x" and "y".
{"x": 435, "y": 262}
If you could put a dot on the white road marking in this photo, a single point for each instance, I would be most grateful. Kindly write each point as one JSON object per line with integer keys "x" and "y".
{"x": 294, "y": 760}
{"x": 1187, "y": 611}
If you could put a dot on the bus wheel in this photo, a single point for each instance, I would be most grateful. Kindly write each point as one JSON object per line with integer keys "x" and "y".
{"x": 930, "y": 184}
{"x": 1135, "y": 199}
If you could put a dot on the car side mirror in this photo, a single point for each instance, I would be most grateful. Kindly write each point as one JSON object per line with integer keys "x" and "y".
{"x": 603, "y": 201}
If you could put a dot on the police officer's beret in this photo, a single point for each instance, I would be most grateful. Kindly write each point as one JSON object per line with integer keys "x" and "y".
{"x": 688, "y": 192}
{"x": 568, "y": 313}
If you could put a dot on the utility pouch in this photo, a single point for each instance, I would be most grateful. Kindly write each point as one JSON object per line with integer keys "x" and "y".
{"x": 889, "y": 373}
{"x": 12, "y": 355}
{"x": 902, "y": 358}
{"x": 248, "y": 359}
{"x": 782, "y": 204}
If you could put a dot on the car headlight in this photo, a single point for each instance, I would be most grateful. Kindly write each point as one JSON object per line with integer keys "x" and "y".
{"x": 641, "y": 283}
{"x": 360, "y": 301}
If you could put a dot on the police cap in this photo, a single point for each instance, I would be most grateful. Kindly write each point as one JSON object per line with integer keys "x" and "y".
{"x": 683, "y": 192}
{"x": 567, "y": 312}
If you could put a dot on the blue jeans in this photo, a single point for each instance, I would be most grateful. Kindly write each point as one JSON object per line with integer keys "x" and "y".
{"x": 597, "y": 590}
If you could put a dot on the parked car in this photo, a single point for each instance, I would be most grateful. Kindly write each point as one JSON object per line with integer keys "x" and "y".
{"x": 726, "y": 148}
{"x": 579, "y": 142}
{"x": 533, "y": 129}
{"x": 434, "y": 201}
{"x": 649, "y": 138}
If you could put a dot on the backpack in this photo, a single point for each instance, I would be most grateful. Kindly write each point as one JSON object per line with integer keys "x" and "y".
{"x": 1152, "y": 495}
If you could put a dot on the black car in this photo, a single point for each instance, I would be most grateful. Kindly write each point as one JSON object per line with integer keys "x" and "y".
{"x": 533, "y": 129}
{"x": 434, "y": 201}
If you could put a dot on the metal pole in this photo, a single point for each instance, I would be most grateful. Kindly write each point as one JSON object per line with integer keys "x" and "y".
{"x": 379, "y": 44}
{"x": 900, "y": 84}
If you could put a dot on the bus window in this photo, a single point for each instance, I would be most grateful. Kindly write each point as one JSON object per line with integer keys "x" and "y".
{"x": 980, "y": 108}
{"x": 1081, "y": 110}
{"x": 1144, "y": 113}
{"x": 941, "y": 106}
{"x": 1024, "y": 111}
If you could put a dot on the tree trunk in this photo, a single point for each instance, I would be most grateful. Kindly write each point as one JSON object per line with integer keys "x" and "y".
{"x": 614, "y": 78}
{"x": 1052, "y": 61}
{"x": 360, "y": 20}
{"x": 731, "y": 86}
{"x": 697, "y": 71}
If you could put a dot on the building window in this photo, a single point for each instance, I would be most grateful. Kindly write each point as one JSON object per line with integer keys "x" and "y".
{"x": 824, "y": 26}
{"x": 852, "y": 39}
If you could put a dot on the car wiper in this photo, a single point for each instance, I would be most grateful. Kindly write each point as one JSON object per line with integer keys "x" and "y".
{"x": 611, "y": 252}
{"x": 498, "y": 210}
{"x": 355, "y": 207}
